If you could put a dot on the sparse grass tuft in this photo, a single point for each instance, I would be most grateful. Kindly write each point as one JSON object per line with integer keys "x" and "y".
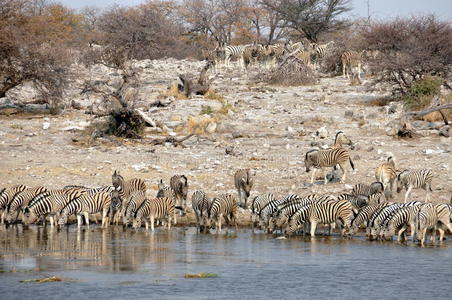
{"x": 198, "y": 124}
{"x": 206, "y": 110}
{"x": 420, "y": 94}
{"x": 214, "y": 95}
{"x": 380, "y": 101}
{"x": 173, "y": 91}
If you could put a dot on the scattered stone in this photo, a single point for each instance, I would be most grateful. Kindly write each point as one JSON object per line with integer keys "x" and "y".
{"x": 348, "y": 113}
{"x": 370, "y": 149}
{"x": 390, "y": 131}
{"x": 444, "y": 131}
{"x": 356, "y": 157}
{"x": 322, "y": 132}
{"x": 45, "y": 125}
{"x": 211, "y": 127}
{"x": 230, "y": 150}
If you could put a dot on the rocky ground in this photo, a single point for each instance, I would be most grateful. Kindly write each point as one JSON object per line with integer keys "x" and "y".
{"x": 265, "y": 128}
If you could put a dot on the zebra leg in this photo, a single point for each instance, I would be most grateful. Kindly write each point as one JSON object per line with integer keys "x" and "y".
{"x": 407, "y": 194}
{"x": 325, "y": 181}
{"x": 152, "y": 219}
{"x": 441, "y": 233}
{"x": 313, "y": 227}
{"x": 52, "y": 221}
{"x": 427, "y": 196}
{"x": 79, "y": 221}
{"x": 86, "y": 218}
{"x": 312, "y": 176}
{"x": 344, "y": 173}
{"x": 344, "y": 70}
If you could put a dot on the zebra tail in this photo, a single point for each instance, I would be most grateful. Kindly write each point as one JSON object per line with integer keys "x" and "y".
{"x": 351, "y": 164}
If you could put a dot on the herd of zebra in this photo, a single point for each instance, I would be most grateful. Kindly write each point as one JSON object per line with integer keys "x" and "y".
{"x": 127, "y": 202}
{"x": 307, "y": 52}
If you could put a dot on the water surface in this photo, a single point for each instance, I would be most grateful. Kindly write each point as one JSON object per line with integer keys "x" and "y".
{"x": 122, "y": 264}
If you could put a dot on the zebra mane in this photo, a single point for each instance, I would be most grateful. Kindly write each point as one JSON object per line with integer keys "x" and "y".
{"x": 337, "y": 134}
{"x": 310, "y": 151}
{"x": 400, "y": 174}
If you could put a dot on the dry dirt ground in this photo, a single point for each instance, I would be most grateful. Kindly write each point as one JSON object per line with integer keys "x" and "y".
{"x": 269, "y": 127}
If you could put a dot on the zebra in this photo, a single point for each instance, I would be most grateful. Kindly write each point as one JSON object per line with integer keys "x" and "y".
{"x": 164, "y": 190}
{"x": 320, "y": 159}
{"x": 367, "y": 190}
{"x": 157, "y": 208}
{"x": 444, "y": 214}
{"x": 257, "y": 204}
{"x": 297, "y": 220}
{"x": 413, "y": 180}
{"x": 224, "y": 206}
{"x": 426, "y": 219}
{"x": 357, "y": 201}
{"x": 320, "y": 52}
{"x": 351, "y": 60}
{"x": 398, "y": 221}
{"x": 386, "y": 174}
{"x": 305, "y": 56}
{"x": 200, "y": 204}
{"x": 272, "y": 53}
{"x": 267, "y": 211}
{"x": 251, "y": 54}
{"x": 234, "y": 52}
{"x": 327, "y": 212}
{"x": 122, "y": 192}
{"x": 85, "y": 205}
{"x": 6, "y": 197}
{"x": 364, "y": 216}
{"x": 340, "y": 140}
{"x": 375, "y": 225}
{"x": 21, "y": 200}
{"x": 376, "y": 198}
{"x": 48, "y": 203}
{"x": 280, "y": 217}
{"x": 135, "y": 200}
{"x": 243, "y": 182}
{"x": 179, "y": 187}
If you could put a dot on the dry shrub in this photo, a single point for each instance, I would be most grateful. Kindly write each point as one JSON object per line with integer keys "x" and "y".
{"x": 290, "y": 72}
{"x": 380, "y": 101}
{"x": 214, "y": 95}
{"x": 409, "y": 49}
{"x": 173, "y": 91}
{"x": 198, "y": 124}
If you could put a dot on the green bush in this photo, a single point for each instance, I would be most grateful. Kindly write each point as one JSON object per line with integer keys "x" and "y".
{"x": 421, "y": 92}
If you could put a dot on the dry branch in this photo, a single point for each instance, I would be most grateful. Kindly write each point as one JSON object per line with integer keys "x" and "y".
{"x": 434, "y": 107}
{"x": 171, "y": 139}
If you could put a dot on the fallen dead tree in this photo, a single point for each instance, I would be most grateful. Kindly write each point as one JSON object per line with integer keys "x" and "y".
{"x": 189, "y": 85}
{"x": 434, "y": 106}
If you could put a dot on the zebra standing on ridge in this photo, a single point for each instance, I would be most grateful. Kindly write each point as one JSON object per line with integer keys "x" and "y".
{"x": 85, "y": 205}
{"x": 6, "y": 197}
{"x": 234, "y": 52}
{"x": 386, "y": 174}
{"x": 320, "y": 159}
{"x": 179, "y": 187}
{"x": 21, "y": 200}
{"x": 156, "y": 208}
{"x": 224, "y": 206}
{"x": 351, "y": 60}
{"x": 200, "y": 204}
{"x": 243, "y": 182}
{"x": 320, "y": 52}
{"x": 414, "y": 180}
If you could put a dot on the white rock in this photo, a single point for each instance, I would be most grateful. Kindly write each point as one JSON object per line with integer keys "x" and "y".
{"x": 139, "y": 167}
{"x": 322, "y": 132}
{"x": 45, "y": 125}
{"x": 211, "y": 127}
{"x": 290, "y": 129}
{"x": 348, "y": 187}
